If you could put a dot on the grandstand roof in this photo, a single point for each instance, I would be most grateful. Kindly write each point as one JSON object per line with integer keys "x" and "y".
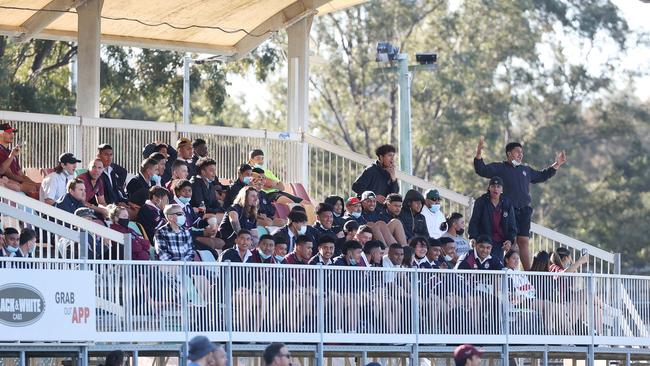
{"x": 56, "y": 19}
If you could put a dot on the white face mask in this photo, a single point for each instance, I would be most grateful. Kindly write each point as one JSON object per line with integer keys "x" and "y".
{"x": 448, "y": 258}
{"x": 515, "y": 163}
{"x": 303, "y": 230}
{"x": 356, "y": 215}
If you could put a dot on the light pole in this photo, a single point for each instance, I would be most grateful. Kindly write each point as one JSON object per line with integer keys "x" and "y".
{"x": 187, "y": 60}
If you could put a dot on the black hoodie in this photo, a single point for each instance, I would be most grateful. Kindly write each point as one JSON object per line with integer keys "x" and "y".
{"x": 414, "y": 224}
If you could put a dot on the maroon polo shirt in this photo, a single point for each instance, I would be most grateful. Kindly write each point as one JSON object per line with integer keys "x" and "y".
{"x": 497, "y": 230}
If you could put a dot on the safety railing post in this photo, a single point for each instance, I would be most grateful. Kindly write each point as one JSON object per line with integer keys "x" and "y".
{"x": 591, "y": 315}
{"x": 228, "y": 302}
{"x": 321, "y": 313}
{"x": 415, "y": 303}
{"x": 505, "y": 315}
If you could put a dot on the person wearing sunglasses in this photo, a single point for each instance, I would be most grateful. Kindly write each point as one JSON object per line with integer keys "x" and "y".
{"x": 174, "y": 241}
{"x": 277, "y": 354}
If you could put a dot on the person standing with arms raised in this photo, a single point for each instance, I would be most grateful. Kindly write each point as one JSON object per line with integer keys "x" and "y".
{"x": 517, "y": 178}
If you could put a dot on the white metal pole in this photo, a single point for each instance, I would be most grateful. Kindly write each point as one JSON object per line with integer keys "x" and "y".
{"x": 186, "y": 89}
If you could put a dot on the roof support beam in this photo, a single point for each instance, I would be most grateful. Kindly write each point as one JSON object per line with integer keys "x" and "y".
{"x": 88, "y": 53}
{"x": 41, "y": 19}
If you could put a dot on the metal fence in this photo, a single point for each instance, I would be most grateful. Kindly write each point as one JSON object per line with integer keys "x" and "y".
{"x": 137, "y": 301}
{"x": 332, "y": 168}
{"x": 60, "y": 234}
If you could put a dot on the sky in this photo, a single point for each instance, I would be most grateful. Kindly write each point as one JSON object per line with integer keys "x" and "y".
{"x": 638, "y": 58}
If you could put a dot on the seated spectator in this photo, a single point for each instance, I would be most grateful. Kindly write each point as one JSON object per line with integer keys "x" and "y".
{"x": 96, "y": 247}
{"x": 349, "y": 231}
{"x": 393, "y": 259}
{"x": 408, "y": 257}
{"x": 449, "y": 257}
{"x": 384, "y": 229}
{"x": 160, "y": 178}
{"x": 150, "y": 215}
{"x": 296, "y": 226}
{"x": 75, "y": 198}
{"x": 379, "y": 177}
{"x": 420, "y": 247}
{"x": 55, "y": 184}
{"x": 371, "y": 253}
{"x": 493, "y": 215}
{"x": 433, "y": 213}
{"x": 203, "y": 231}
{"x": 113, "y": 176}
{"x": 172, "y": 241}
{"x": 363, "y": 235}
{"x": 302, "y": 251}
{"x": 325, "y": 251}
{"x": 95, "y": 187}
{"x": 338, "y": 205}
{"x": 240, "y": 253}
{"x": 479, "y": 257}
{"x": 11, "y": 242}
{"x": 26, "y": 243}
{"x": 263, "y": 253}
{"x": 561, "y": 261}
{"x": 179, "y": 172}
{"x": 273, "y": 187}
{"x": 199, "y": 150}
{"x": 244, "y": 178}
{"x": 413, "y": 221}
{"x": 204, "y": 187}
{"x": 10, "y": 165}
{"x": 353, "y": 211}
{"x": 169, "y": 155}
{"x": 324, "y": 225}
{"x": 434, "y": 253}
{"x": 184, "y": 151}
{"x": 139, "y": 185}
{"x": 541, "y": 262}
{"x": 119, "y": 217}
{"x": 455, "y": 227}
{"x": 522, "y": 289}
{"x": 266, "y": 210}
{"x": 351, "y": 255}
{"x": 280, "y": 249}
{"x": 242, "y": 215}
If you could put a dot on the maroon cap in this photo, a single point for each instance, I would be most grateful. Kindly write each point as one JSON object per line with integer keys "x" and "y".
{"x": 465, "y": 351}
{"x": 5, "y": 127}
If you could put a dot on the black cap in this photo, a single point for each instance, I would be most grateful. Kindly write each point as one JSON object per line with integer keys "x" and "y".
{"x": 496, "y": 181}
{"x": 5, "y": 127}
{"x": 199, "y": 347}
{"x": 68, "y": 158}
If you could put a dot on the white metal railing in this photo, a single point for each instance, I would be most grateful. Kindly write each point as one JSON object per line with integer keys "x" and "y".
{"x": 140, "y": 301}
{"x": 332, "y": 168}
{"x": 61, "y": 234}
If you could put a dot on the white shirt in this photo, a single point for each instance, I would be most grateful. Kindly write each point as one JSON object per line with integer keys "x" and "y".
{"x": 108, "y": 172}
{"x": 433, "y": 222}
{"x": 54, "y": 186}
{"x": 389, "y": 276}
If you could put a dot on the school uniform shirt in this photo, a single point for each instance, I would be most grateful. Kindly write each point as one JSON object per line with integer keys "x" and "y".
{"x": 372, "y": 216}
{"x": 421, "y": 263}
{"x": 92, "y": 191}
{"x": 233, "y": 255}
{"x": 257, "y": 258}
{"x": 14, "y": 167}
{"x": 226, "y": 230}
{"x": 205, "y": 192}
{"x": 137, "y": 189}
{"x": 318, "y": 259}
{"x": 151, "y": 218}
{"x": 360, "y": 220}
{"x": 342, "y": 261}
{"x": 265, "y": 205}
{"x": 69, "y": 204}
{"x": 292, "y": 258}
{"x": 472, "y": 261}
{"x": 499, "y": 223}
{"x": 114, "y": 178}
{"x": 462, "y": 245}
{"x": 434, "y": 220}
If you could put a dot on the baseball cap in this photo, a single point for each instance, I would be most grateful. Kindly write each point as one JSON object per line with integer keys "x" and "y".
{"x": 465, "y": 351}
{"x": 367, "y": 195}
{"x": 183, "y": 141}
{"x": 352, "y": 201}
{"x": 433, "y": 195}
{"x": 68, "y": 158}
{"x": 5, "y": 127}
{"x": 85, "y": 212}
{"x": 198, "y": 347}
{"x": 496, "y": 181}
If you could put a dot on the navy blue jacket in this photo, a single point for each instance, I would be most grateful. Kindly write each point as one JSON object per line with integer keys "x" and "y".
{"x": 516, "y": 180}
{"x": 414, "y": 224}
{"x": 233, "y": 191}
{"x": 69, "y": 203}
{"x": 114, "y": 192}
{"x": 481, "y": 221}
{"x": 377, "y": 179}
{"x": 202, "y": 192}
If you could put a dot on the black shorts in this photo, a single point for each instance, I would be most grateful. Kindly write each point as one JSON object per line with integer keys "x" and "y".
{"x": 523, "y": 216}
{"x": 273, "y": 196}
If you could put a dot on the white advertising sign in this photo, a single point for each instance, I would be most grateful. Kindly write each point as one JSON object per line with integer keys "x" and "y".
{"x": 47, "y": 305}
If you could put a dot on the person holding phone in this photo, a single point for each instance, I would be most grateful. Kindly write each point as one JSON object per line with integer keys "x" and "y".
{"x": 10, "y": 165}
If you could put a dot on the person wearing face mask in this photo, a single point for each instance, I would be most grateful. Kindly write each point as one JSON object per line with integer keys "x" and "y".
{"x": 353, "y": 211}
{"x": 273, "y": 186}
{"x": 448, "y": 257}
{"x": 244, "y": 179}
{"x": 203, "y": 231}
{"x": 433, "y": 213}
{"x": 493, "y": 215}
{"x": 301, "y": 252}
{"x": 517, "y": 179}
{"x": 280, "y": 247}
{"x": 266, "y": 212}
{"x": 411, "y": 217}
{"x": 172, "y": 241}
{"x": 54, "y": 184}
{"x": 150, "y": 215}
{"x": 119, "y": 217}
{"x": 455, "y": 228}
{"x": 169, "y": 155}
{"x": 26, "y": 244}
{"x": 160, "y": 178}
{"x": 263, "y": 253}
{"x": 296, "y": 226}
{"x": 351, "y": 255}
{"x": 11, "y": 242}
{"x": 142, "y": 182}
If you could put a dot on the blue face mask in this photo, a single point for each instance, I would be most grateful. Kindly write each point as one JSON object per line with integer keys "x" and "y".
{"x": 180, "y": 220}
{"x": 210, "y": 180}
{"x": 11, "y": 249}
{"x": 356, "y": 215}
{"x": 353, "y": 262}
{"x": 155, "y": 178}
{"x": 278, "y": 258}
{"x": 184, "y": 200}
{"x": 263, "y": 256}
{"x": 434, "y": 208}
{"x": 247, "y": 180}
{"x": 32, "y": 249}
{"x": 260, "y": 166}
